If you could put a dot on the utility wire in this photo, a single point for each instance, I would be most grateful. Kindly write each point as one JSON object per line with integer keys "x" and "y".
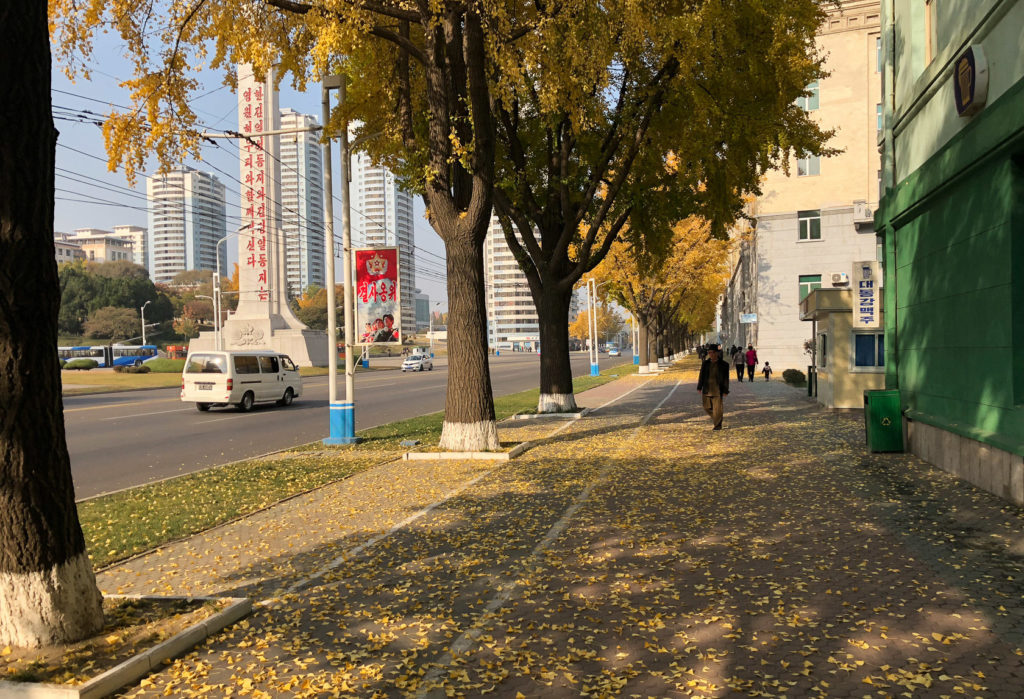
{"x": 87, "y": 116}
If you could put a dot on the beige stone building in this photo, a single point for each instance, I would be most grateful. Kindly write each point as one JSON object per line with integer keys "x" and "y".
{"x": 813, "y": 223}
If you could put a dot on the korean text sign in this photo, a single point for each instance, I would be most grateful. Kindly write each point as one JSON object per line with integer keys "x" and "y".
{"x": 866, "y": 283}
{"x": 378, "y": 312}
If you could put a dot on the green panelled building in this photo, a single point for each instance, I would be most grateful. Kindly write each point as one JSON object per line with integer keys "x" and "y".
{"x": 951, "y": 221}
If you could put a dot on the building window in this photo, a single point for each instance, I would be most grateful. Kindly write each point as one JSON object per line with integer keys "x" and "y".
{"x": 822, "y": 350}
{"x": 868, "y": 351}
{"x": 809, "y": 102}
{"x": 878, "y": 54}
{"x": 808, "y": 283}
{"x": 809, "y": 223}
{"x": 811, "y": 165}
{"x": 878, "y": 116}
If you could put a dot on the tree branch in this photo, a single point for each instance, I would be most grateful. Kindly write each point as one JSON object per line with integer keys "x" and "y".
{"x": 402, "y": 42}
{"x": 533, "y": 250}
{"x": 301, "y": 8}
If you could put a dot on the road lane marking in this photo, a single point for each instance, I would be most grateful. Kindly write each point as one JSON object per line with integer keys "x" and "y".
{"x": 120, "y": 405}
{"x": 158, "y": 412}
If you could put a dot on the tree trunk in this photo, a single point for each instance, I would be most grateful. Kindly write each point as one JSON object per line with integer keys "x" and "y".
{"x": 48, "y": 592}
{"x": 556, "y": 395}
{"x": 652, "y": 347}
{"x": 469, "y": 404}
{"x": 643, "y": 345}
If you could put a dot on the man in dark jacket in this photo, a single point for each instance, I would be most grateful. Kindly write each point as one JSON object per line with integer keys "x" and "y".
{"x": 713, "y": 383}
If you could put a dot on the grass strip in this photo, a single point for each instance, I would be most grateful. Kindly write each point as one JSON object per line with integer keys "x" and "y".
{"x": 123, "y": 524}
{"x": 103, "y": 380}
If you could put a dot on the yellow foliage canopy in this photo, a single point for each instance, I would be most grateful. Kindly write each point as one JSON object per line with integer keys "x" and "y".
{"x": 609, "y": 323}
{"x": 682, "y": 286}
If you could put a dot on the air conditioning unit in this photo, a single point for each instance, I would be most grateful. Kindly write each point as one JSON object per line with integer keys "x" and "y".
{"x": 840, "y": 279}
{"x": 862, "y": 214}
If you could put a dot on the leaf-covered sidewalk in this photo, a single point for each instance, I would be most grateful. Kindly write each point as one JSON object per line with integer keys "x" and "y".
{"x": 634, "y": 553}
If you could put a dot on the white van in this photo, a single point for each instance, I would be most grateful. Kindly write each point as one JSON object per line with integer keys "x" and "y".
{"x": 215, "y": 378}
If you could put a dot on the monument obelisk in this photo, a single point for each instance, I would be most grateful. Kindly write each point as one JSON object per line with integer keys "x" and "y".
{"x": 263, "y": 319}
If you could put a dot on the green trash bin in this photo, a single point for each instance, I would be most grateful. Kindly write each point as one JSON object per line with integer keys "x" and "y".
{"x": 883, "y": 420}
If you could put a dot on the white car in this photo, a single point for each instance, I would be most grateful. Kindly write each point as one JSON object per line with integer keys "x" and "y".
{"x": 417, "y": 362}
{"x": 216, "y": 378}
{"x": 614, "y": 352}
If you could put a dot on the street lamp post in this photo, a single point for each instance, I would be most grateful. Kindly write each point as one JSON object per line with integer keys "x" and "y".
{"x": 342, "y": 414}
{"x": 143, "y": 312}
{"x": 635, "y": 338}
{"x": 213, "y": 302}
{"x": 430, "y": 330}
{"x": 592, "y": 287}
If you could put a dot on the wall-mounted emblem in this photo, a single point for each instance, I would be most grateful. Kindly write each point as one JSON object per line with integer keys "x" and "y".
{"x": 970, "y": 81}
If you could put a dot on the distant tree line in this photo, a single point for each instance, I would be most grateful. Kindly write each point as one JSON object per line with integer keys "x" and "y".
{"x": 102, "y": 300}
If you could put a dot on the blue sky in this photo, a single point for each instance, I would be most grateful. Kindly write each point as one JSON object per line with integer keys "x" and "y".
{"x": 88, "y": 195}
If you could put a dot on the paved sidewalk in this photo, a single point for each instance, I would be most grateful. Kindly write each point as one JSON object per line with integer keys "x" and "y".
{"x": 635, "y": 553}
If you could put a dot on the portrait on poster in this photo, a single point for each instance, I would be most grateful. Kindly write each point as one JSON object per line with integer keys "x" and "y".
{"x": 378, "y": 310}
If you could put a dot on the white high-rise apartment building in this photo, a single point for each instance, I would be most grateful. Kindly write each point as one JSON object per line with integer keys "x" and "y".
{"x": 302, "y": 202}
{"x": 511, "y": 314}
{"x": 382, "y": 215}
{"x": 187, "y": 216}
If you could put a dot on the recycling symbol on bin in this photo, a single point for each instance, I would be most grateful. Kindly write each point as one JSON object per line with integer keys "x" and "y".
{"x": 886, "y": 422}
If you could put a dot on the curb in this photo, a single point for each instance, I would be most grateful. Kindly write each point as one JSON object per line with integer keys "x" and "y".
{"x": 550, "y": 416}
{"x": 139, "y": 665}
{"x": 468, "y": 455}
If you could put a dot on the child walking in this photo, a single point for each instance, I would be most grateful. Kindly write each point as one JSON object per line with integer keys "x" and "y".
{"x": 767, "y": 371}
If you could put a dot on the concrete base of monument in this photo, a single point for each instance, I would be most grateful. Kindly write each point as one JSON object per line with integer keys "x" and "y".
{"x": 305, "y": 347}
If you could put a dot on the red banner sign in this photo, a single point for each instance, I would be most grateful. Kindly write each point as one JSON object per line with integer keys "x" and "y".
{"x": 378, "y": 313}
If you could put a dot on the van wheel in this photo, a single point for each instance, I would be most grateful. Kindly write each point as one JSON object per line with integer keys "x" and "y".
{"x": 286, "y": 400}
{"x": 431, "y": 368}
{"x": 246, "y": 403}
{"x": 202, "y": 407}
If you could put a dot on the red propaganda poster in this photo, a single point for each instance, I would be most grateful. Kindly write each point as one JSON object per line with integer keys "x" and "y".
{"x": 378, "y": 314}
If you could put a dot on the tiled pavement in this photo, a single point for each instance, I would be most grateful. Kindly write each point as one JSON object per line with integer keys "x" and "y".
{"x": 773, "y": 558}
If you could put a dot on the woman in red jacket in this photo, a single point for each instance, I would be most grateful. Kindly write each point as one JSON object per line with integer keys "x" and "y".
{"x": 751, "y": 362}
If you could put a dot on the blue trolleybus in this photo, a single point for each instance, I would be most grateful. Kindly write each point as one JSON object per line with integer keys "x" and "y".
{"x": 110, "y": 355}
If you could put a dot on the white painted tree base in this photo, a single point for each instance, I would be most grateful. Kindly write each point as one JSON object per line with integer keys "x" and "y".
{"x": 42, "y": 608}
{"x": 557, "y": 403}
{"x": 470, "y": 436}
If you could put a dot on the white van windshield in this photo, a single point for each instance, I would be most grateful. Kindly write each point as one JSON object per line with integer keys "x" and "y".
{"x": 205, "y": 364}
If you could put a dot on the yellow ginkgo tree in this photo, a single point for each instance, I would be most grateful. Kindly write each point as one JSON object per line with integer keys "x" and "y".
{"x": 637, "y": 115}
{"x": 672, "y": 292}
{"x": 609, "y": 324}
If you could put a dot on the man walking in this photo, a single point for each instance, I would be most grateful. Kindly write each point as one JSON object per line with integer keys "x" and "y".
{"x": 739, "y": 360}
{"x": 713, "y": 383}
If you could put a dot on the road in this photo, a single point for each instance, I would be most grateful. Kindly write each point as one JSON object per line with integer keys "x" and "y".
{"x": 121, "y": 440}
